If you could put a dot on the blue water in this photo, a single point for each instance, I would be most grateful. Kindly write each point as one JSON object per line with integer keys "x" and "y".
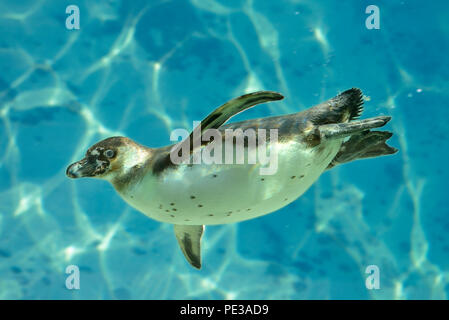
{"x": 143, "y": 68}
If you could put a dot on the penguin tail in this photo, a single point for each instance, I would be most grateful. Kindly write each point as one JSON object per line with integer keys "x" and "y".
{"x": 345, "y": 107}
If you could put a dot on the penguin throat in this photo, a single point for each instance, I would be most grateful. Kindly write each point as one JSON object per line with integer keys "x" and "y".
{"x": 133, "y": 169}
{"x": 136, "y": 157}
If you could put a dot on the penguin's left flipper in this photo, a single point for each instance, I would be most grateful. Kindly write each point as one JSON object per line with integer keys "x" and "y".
{"x": 214, "y": 120}
{"x": 189, "y": 239}
{"x": 226, "y": 111}
{"x": 222, "y": 114}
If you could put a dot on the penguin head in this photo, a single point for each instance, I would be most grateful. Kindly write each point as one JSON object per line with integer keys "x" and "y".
{"x": 109, "y": 159}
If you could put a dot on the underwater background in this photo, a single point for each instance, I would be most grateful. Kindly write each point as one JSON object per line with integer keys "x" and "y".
{"x": 143, "y": 68}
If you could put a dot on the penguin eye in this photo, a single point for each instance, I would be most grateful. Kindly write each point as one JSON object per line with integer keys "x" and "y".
{"x": 109, "y": 153}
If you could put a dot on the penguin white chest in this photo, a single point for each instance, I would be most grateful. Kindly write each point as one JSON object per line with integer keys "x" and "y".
{"x": 227, "y": 193}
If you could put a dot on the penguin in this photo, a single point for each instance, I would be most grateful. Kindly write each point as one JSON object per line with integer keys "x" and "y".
{"x": 221, "y": 173}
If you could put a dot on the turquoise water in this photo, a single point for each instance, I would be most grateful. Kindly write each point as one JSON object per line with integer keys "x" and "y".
{"x": 144, "y": 68}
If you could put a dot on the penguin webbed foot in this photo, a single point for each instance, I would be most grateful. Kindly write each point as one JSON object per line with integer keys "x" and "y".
{"x": 366, "y": 144}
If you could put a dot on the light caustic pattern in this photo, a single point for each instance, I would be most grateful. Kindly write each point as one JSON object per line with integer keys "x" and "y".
{"x": 144, "y": 68}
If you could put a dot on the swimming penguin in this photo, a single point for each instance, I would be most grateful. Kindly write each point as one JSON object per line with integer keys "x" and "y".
{"x": 177, "y": 184}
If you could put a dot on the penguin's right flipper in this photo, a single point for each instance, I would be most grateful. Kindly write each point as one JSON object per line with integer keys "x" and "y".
{"x": 189, "y": 239}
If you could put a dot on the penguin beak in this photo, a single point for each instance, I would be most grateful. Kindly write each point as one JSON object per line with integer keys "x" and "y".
{"x": 82, "y": 168}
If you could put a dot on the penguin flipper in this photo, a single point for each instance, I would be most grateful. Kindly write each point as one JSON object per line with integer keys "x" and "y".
{"x": 189, "y": 239}
{"x": 226, "y": 111}
{"x": 222, "y": 114}
{"x": 213, "y": 121}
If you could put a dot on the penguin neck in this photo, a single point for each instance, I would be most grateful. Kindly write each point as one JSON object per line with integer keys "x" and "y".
{"x": 135, "y": 166}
